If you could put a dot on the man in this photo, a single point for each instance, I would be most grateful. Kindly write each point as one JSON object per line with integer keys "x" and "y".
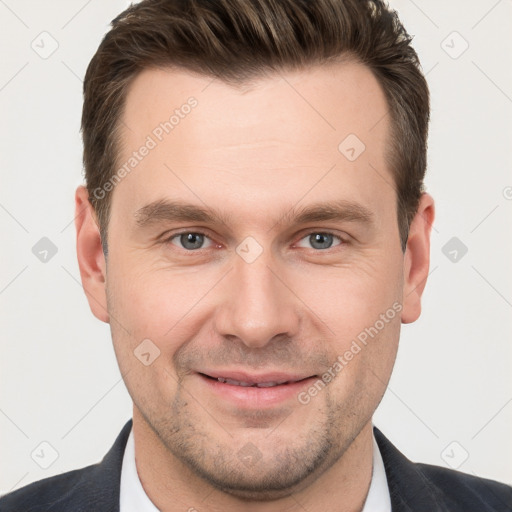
{"x": 254, "y": 229}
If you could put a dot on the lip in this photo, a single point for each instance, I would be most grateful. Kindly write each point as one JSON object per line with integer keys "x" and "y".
{"x": 253, "y": 397}
{"x": 253, "y": 378}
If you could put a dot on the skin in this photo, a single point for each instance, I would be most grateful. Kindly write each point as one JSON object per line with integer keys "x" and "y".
{"x": 255, "y": 153}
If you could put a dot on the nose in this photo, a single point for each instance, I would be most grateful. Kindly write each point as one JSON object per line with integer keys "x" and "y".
{"x": 257, "y": 305}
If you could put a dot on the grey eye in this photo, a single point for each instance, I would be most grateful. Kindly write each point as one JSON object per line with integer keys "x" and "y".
{"x": 320, "y": 241}
{"x": 189, "y": 241}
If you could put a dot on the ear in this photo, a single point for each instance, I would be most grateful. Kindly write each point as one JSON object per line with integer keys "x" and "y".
{"x": 417, "y": 259}
{"x": 91, "y": 259}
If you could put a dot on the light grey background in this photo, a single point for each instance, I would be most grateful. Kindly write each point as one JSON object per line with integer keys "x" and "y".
{"x": 450, "y": 395}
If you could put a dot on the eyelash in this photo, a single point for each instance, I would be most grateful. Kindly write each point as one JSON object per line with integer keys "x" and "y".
{"x": 186, "y": 232}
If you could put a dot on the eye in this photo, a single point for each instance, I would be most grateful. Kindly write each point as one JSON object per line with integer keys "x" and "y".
{"x": 321, "y": 240}
{"x": 189, "y": 240}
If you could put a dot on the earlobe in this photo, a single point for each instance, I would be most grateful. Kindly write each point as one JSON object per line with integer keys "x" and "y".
{"x": 91, "y": 259}
{"x": 417, "y": 259}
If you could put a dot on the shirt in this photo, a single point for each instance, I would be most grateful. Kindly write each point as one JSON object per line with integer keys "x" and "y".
{"x": 133, "y": 498}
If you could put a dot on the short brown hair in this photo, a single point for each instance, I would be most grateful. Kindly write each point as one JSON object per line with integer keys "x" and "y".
{"x": 238, "y": 40}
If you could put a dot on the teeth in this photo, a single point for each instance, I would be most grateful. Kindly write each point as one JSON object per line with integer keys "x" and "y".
{"x": 270, "y": 384}
{"x": 234, "y": 382}
{"x": 248, "y": 384}
{"x": 237, "y": 383}
{"x": 266, "y": 384}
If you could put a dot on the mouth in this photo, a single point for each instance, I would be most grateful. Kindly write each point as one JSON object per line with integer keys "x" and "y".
{"x": 251, "y": 391}
{"x": 252, "y": 383}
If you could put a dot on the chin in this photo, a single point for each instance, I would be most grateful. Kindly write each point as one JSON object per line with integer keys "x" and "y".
{"x": 253, "y": 486}
{"x": 278, "y": 474}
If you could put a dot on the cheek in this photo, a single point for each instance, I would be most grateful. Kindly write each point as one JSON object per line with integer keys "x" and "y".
{"x": 143, "y": 314}
{"x": 361, "y": 306}
{"x": 152, "y": 300}
{"x": 350, "y": 298}
{"x": 365, "y": 362}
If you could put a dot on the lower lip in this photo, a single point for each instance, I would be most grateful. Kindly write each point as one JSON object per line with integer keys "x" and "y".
{"x": 255, "y": 397}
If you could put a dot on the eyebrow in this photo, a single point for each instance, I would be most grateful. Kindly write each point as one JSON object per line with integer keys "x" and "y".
{"x": 178, "y": 211}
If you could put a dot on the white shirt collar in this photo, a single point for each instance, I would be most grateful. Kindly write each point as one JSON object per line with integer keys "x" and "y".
{"x": 378, "y": 499}
{"x": 133, "y": 498}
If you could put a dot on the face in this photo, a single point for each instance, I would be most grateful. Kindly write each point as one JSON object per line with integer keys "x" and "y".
{"x": 255, "y": 280}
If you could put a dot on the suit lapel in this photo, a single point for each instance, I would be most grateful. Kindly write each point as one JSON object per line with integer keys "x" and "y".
{"x": 99, "y": 486}
{"x": 409, "y": 489}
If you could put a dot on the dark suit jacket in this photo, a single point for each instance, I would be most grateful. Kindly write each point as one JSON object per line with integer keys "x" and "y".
{"x": 413, "y": 487}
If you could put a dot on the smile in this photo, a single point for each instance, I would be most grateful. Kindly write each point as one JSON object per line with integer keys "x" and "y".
{"x": 252, "y": 391}
{"x": 252, "y": 384}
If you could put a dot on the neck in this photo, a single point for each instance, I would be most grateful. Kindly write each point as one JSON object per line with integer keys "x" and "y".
{"x": 172, "y": 486}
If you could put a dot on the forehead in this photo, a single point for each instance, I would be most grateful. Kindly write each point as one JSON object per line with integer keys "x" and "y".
{"x": 285, "y": 132}
{"x": 332, "y": 100}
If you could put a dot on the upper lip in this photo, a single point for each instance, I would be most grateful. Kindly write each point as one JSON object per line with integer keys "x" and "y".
{"x": 252, "y": 378}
